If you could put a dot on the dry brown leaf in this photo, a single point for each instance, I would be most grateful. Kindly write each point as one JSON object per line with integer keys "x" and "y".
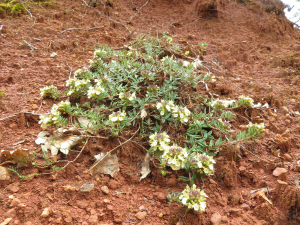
{"x": 145, "y": 167}
{"x": 106, "y": 164}
{"x": 21, "y": 157}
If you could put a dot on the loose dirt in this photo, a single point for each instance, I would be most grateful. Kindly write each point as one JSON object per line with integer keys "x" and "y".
{"x": 252, "y": 50}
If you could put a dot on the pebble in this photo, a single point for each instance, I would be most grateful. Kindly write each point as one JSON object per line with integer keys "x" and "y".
{"x": 4, "y": 173}
{"x": 215, "y": 219}
{"x": 161, "y": 196}
{"x": 141, "y": 215}
{"x": 245, "y": 206}
{"x": 279, "y": 171}
{"x": 87, "y": 188}
{"x": 113, "y": 184}
{"x": 14, "y": 187}
{"x": 287, "y": 157}
{"x": 46, "y": 212}
{"x": 15, "y": 202}
{"x": 105, "y": 189}
{"x": 69, "y": 188}
{"x": 106, "y": 201}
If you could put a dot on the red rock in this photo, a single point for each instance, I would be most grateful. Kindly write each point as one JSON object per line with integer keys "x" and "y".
{"x": 161, "y": 196}
{"x": 110, "y": 207}
{"x": 215, "y": 219}
{"x": 105, "y": 189}
{"x": 113, "y": 184}
{"x": 287, "y": 157}
{"x": 93, "y": 219}
{"x": 15, "y": 202}
{"x": 106, "y": 201}
{"x": 14, "y": 187}
{"x": 141, "y": 215}
{"x": 171, "y": 182}
{"x": 245, "y": 206}
{"x": 279, "y": 171}
{"x": 224, "y": 219}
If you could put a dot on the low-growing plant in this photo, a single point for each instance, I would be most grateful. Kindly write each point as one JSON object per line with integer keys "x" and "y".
{"x": 143, "y": 86}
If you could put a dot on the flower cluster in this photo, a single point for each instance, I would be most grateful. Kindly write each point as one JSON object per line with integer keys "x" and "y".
{"x": 49, "y": 92}
{"x": 80, "y": 71}
{"x": 193, "y": 198}
{"x": 246, "y": 100}
{"x": 47, "y": 121}
{"x": 160, "y": 141}
{"x": 56, "y": 111}
{"x": 99, "y": 53}
{"x": 94, "y": 91}
{"x": 117, "y": 117}
{"x": 102, "y": 80}
{"x": 153, "y": 88}
{"x": 76, "y": 85}
{"x": 164, "y": 107}
{"x": 60, "y": 108}
{"x": 202, "y": 163}
{"x": 127, "y": 97}
{"x": 225, "y": 124}
{"x": 221, "y": 104}
{"x": 260, "y": 127}
{"x": 174, "y": 157}
{"x": 181, "y": 113}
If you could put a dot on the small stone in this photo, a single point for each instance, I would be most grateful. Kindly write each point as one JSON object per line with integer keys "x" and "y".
{"x": 171, "y": 182}
{"x": 105, "y": 189}
{"x": 215, "y": 219}
{"x": 160, "y": 215}
{"x": 68, "y": 188}
{"x": 113, "y": 184}
{"x": 245, "y": 206}
{"x": 46, "y": 212}
{"x": 12, "y": 213}
{"x": 34, "y": 107}
{"x": 141, "y": 215}
{"x": 87, "y": 188}
{"x": 279, "y": 171}
{"x": 224, "y": 219}
{"x": 161, "y": 196}
{"x": 15, "y": 202}
{"x": 93, "y": 219}
{"x": 142, "y": 208}
{"x": 28, "y": 223}
{"x": 106, "y": 201}
{"x": 110, "y": 207}
{"x": 4, "y": 173}
{"x": 14, "y": 187}
{"x": 287, "y": 157}
{"x": 54, "y": 176}
{"x": 78, "y": 178}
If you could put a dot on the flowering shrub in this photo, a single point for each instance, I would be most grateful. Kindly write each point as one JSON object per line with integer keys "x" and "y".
{"x": 50, "y": 92}
{"x": 76, "y": 85}
{"x": 193, "y": 198}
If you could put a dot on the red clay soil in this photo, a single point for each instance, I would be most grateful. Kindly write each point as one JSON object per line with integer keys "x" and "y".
{"x": 252, "y": 50}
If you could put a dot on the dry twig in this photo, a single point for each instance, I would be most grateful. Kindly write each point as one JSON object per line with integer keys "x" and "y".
{"x": 93, "y": 28}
